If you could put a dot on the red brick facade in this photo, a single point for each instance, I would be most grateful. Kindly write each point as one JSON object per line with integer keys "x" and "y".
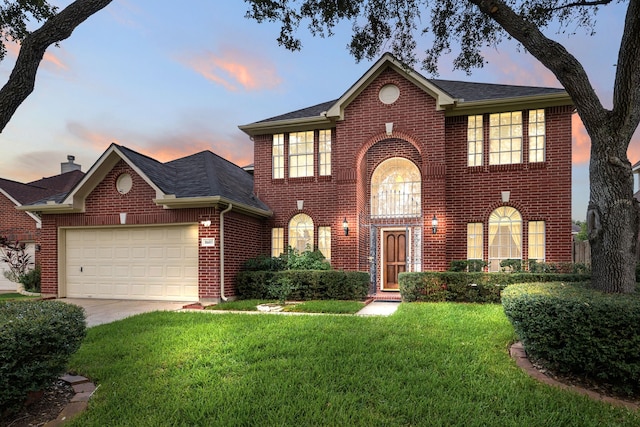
{"x": 436, "y": 142}
{"x": 103, "y": 206}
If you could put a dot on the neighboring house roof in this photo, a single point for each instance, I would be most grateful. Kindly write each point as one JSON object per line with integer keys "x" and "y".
{"x": 454, "y": 97}
{"x": 200, "y": 180}
{"x": 62, "y": 183}
{"x": 23, "y": 194}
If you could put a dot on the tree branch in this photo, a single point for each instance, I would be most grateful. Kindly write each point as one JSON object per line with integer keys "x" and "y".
{"x": 23, "y": 76}
{"x": 579, "y": 4}
{"x": 567, "y": 69}
{"x": 626, "y": 94}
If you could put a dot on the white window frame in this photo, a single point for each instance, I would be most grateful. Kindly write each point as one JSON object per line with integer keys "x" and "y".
{"x": 537, "y": 135}
{"x": 277, "y": 156}
{"x": 475, "y": 241}
{"x": 324, "y": 241}
{"x": 475, "y": 141}
{"x": 301, "y": 232}
{"x": 277, "y": 241}
{"x": 324, "y": 152}
{"x": 396, "y": 188}
{"x": 505, "y": 236}
{"x": 505, "y": 138}
{"x": 301, "y": 154}
{"x": 537, "y": 241}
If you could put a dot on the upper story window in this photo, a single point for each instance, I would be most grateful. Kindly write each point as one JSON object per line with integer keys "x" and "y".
{"x": 300, "y": 154}
{"x": 474, "y": 141}
{"x": 277, "y": 156}
{"x": 536, "y": 136}
{"x": 324, "y": 152}
{"x": 505, "y": 138}
{"x": 396, "y": 189}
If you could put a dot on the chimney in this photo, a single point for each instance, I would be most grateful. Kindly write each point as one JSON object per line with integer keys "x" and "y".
{"x": 69, "y": 165}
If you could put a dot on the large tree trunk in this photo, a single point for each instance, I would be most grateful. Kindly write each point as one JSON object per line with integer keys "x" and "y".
{"x": 613, "y": 216}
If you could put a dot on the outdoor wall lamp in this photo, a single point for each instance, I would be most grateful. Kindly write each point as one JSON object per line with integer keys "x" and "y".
{"x": 345, "y": 226}
{"x": 206, "y": 223}
{"x": 434, "y": 225}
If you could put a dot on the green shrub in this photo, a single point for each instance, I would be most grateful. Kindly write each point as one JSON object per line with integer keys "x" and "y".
{"x": 470, "y": 287}
{"x": 572, "y": 329}
{"x": 472, "y": 265}
{"x": 36, "y": 340}
{"x": 291, "y": 260}
{"x": 31, "y": 280}
{"x": 511, "y": 265}
{"x": 303, "y": 285}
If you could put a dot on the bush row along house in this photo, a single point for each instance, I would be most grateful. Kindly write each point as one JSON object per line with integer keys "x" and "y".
{"x": 401, "y": 173}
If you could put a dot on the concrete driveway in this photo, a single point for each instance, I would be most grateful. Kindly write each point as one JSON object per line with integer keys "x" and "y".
{"x": 99, "y": 311}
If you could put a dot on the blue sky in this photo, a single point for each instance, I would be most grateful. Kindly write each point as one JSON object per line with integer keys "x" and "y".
{"x": 170, "y": 81}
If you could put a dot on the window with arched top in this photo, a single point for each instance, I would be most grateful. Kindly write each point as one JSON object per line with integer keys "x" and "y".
{"x": 505, "y": 236}
{"x": 396, "y": 189}
{"x": 301, "y": 232}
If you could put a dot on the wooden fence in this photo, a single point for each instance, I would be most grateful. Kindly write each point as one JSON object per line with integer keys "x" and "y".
{"x": 581, "y": 252}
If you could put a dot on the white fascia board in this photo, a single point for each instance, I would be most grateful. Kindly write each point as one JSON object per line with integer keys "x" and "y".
{"x": 35, "y": 217}
{"x": 442, "y": 98}
{"x": 172, "y": 202}
{"x": 96, "y": 174}
{"x": 290, "y": 125}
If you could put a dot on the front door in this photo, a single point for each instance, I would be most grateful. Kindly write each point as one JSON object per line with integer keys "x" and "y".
{"x": 394, "y": 249}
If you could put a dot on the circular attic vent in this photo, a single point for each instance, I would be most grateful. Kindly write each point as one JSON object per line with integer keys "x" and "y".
{"x": 389, "y": 94}
{"x": 124, "y": 183}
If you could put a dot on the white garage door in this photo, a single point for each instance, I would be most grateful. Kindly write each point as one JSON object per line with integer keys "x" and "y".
{"x": 6, "y": 284}
{"x": 143, "y": 263}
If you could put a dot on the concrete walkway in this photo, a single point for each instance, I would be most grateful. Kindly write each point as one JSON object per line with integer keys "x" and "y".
{"x": 99, "y": 311}
{"x": 379, "y": 308}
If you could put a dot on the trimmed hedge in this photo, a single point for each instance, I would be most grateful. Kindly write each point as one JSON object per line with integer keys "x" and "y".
{"x": 303, "y": 285}
{"x": 36, "y": 340}
{"x": 573, "y": 329}
{"x": 469, "y": 287}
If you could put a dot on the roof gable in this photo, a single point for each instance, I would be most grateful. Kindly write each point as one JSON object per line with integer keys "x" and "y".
{"x": 454, "y": 97}
{"x": 200, "y": 180}
{"x": 443, "y": 99}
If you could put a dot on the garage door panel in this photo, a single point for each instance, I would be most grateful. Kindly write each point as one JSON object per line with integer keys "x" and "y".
{"x": 133, "y": 263}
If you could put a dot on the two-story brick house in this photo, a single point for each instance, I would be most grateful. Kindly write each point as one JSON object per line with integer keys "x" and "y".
{"x": 401, "y": 173}
{"x": 404, "y": 173}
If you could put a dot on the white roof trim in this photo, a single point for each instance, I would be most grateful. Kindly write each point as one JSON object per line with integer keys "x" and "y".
{"x": 442, "y": 98}
{"x": 18, "y": 204}
{"x": 96, "y": 174}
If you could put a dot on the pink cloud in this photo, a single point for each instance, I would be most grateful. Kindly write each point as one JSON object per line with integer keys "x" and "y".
{"x": 50, "y": 61}
{"x": 521, "y": 70}
{"x": 234, "y": 69}
{"x": 167, "y": 146}
{"x": 580, "y": 141}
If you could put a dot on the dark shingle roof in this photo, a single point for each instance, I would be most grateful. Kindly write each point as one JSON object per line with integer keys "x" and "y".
{"x": 203, "y": 174}
{"x": 61, "y": 183}
{"x": 51, "y": 188}
{"x": 312, "y": 111}
{"x": 469, "y": 91}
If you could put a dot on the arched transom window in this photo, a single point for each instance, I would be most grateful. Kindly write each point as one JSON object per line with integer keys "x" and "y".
{"x": 396, "y": 189}
{"x": 301, "y": 232}
{"x": 505, "y": 236}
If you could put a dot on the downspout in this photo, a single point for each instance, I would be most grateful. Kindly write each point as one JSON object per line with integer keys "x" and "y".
{"x": 222, "y": 297}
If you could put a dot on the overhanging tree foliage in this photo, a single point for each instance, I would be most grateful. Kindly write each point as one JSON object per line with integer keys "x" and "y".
{"x": 473, "y": 25}
{"x": 14, "y": 18}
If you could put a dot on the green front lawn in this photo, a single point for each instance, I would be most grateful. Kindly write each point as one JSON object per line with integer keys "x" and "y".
{"x": 324, "y": 306}
{"x": 15, "y": 296}
{"x": 428, "y": 364}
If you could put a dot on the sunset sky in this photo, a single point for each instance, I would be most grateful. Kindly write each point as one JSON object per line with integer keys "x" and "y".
{"x": 170, "y": 81}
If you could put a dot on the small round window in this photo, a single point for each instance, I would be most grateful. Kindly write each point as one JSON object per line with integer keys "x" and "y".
{"x": 389, "y": 94}
{"x": 124, "y": 183}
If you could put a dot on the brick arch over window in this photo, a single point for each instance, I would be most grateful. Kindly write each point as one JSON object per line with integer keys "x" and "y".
{"x": 360, "y": 157}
